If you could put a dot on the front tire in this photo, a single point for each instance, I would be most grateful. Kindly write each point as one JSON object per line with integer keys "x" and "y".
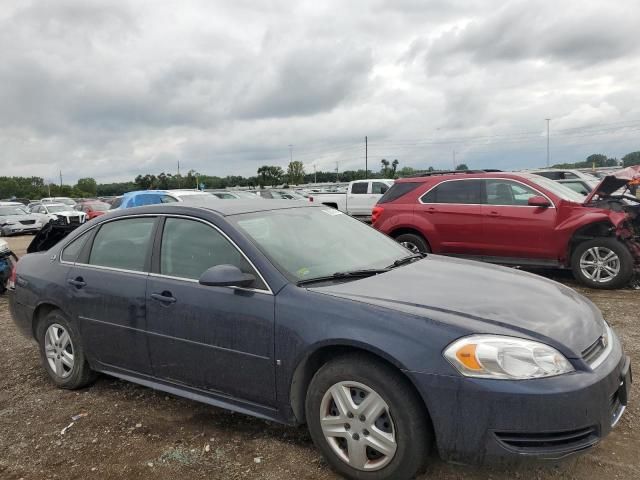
{"x": 367, "y": 420}
{"x": 62, "y": 353}
{"x": 414, "y": 243}
{"x": 603, "y": 263}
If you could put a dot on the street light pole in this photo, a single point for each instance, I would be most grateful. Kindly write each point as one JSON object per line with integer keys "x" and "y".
{"x": 290, "y": 153}
{"x": 548, "y": 120}
{"x": 366, "y": 158}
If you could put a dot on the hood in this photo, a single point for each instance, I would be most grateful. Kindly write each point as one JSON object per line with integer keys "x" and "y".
{"x": 482, "y": 298}
{"x": 615, "y": 181}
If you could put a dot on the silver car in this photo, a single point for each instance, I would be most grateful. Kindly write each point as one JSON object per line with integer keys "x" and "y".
{"x": 15, "y": 220}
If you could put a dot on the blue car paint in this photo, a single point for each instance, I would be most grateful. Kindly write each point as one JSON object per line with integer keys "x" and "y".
{"x": 405, "y": 317}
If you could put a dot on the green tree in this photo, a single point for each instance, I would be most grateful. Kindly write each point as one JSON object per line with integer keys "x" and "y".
{"x": 270, "y": 175}
{"x": 630, "y": 159}
{"x": 597, "y": 160}
{"x": 462, "y": 166}
{"x": 385, "y": 167}
{"x": 88, "y": 186}
{"x": 295, "y": 172}
{"x": 394, "y": 167}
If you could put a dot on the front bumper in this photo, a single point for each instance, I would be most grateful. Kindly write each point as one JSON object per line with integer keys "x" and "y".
{"x": 17, "y": 229}
{"x": 478, "y": 421}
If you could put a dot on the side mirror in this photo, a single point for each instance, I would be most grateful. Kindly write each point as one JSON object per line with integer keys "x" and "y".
{"x": 539, "y": 201}
{"x": 226, "y": 276}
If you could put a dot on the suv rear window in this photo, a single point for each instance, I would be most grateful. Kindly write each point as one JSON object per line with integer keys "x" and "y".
{"x": 398, "y": 190}
{"x": 466, "y": 192}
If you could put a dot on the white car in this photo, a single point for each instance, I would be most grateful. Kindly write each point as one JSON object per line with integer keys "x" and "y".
{"x": 358, "y": 200}
{"x": 16, "y": 220}
{"x": 53, "y": 211}
{"x": 66, "y": 200}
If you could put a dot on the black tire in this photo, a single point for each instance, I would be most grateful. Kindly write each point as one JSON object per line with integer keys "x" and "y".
{"x": 413, "y": 239}
{"x": 407, "y": 415}
{"x": 626, "y": 262}
{"x": 80, "y": 375}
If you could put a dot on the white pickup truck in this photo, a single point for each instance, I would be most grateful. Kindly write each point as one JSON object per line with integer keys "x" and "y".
{"x": 358, "y": 200}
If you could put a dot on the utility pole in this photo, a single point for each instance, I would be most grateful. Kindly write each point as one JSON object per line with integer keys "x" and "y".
{"x": 366, "y": 158}
{"x": 548, "y": 120}
{"x": 315, "y": 176}
{"x": 454, "y": 160}
{"x": 337, "y": 173}
{"x": 61, "y": 180}
{"x": 290, "y": 153}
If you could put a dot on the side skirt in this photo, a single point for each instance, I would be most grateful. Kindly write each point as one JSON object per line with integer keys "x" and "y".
{"x": 215, "y": 399}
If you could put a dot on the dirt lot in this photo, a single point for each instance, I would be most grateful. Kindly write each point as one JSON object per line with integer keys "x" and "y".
{"x": 126, "y": 431}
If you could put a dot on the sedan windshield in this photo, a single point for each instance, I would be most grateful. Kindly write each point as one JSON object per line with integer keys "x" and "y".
{"x": 11, "y": 210}
{"x": 307, "y": 243}
{"x": 557, "y": 189}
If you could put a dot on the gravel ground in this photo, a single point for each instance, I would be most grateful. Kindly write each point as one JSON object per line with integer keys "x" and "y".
{"x": 119, "y": 430}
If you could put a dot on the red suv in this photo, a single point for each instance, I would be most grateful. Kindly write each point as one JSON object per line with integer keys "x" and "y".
{"x": 519, "y": 219}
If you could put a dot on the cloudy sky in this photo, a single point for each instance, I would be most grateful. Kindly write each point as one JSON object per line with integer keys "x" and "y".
{"x": 114, "y": 88}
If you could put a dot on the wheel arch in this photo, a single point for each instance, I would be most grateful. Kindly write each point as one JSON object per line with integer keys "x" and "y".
{"x": 600, "y": 228}
{"x": 41, "y": 311}
{"x": 311, "y": 362}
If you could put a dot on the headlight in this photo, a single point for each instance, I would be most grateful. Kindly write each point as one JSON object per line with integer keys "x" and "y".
{"x": 8, "y": 222}
{"x": 507, "y": 358}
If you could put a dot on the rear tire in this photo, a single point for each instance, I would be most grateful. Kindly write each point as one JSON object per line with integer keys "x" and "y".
{"x": 62, "y": 353}
{"x": 348, "y": 430}
{"x": 413, "y": 242}
{"x": 604, "y": 263}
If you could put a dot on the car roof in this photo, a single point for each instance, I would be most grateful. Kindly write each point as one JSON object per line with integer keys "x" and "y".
{"x": 464, "y": 174}
{"x": 55, "y": 205}
{"x": 10, "y": 204}
{"x": 225, "y": 209}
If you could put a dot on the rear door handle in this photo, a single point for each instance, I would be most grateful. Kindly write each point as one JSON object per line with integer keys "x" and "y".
{"x": 164, "y": 297}
{"x": 78, "y": 282}
{"x": 494, "y": 214}
{"x": 431, "y": 210}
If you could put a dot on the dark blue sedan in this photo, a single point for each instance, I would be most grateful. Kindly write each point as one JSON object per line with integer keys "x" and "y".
{"x": 301, "y": 314}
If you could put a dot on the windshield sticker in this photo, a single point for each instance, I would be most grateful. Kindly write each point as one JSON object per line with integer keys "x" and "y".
{"x": 332, "y": 212}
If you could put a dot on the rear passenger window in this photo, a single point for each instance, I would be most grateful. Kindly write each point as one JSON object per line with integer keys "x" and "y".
{"x": 397, "y": 190}
{"x": 379, "y": 188}
{"x": 71, "y": 251}
{"x": 189, "y": 248}
{"x": 455, "y": 191}
{"x": 123, "y": 244}
{"x": 506, "y": 192}
{"x": 359, "y": 188}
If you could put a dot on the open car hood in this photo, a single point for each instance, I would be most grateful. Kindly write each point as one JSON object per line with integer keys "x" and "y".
{"x": 617, "y": 180}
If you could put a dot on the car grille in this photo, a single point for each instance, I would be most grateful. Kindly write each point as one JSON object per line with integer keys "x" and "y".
{"x": 556, "y": 442}
{"x": 594, "y": 351}
{"x": 75, "y": 219}
{"x": 27, "y": 222}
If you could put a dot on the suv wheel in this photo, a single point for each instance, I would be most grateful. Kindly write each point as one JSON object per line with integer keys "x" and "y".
{"x": 413, "y": 242}
{"x": 366, "y": 420}
{"x": 62, "y": 353}
{"x": 602, "y": 263}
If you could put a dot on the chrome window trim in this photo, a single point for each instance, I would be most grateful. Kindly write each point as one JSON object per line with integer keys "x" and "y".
{"x": 553, "y": 205}
{"x": 150, "y": 274}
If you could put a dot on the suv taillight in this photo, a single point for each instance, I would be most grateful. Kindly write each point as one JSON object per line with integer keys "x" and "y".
{"x": 310, "y": 198}
{"x": 376, "y": 212}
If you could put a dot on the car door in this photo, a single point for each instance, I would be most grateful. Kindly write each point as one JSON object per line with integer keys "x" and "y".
{"x": 453, "y": 210}
{"x": 359, "y": 199}
{"x": 108, "y": 286}
{"x": 514, "y": 229}
{"x": 219, "y": 339}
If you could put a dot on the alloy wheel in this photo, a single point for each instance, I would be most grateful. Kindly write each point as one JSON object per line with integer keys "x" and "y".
{"x": 58, "y": 349}
{"x": 357, "y": 425}
{"x": 410, "y": 246}
{"x": 600, "y": 264}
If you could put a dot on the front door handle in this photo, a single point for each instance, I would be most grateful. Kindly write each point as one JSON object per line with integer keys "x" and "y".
{"x": 431, "y": 210}
{"x": 494, "y": 214}
{"x": 164, "y": 297}
{"x": 78, "y": 282}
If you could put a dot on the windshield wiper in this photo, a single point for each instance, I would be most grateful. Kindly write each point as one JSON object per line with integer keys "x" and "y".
{"x": 407, "y": 259}
{"x": 340, "y": 275}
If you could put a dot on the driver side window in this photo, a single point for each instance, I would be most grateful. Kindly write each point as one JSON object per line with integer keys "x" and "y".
{"x": 190, "y": 247}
